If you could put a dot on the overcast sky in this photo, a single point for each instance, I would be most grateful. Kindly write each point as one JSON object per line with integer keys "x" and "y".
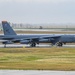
{"x": 38, "y": 11}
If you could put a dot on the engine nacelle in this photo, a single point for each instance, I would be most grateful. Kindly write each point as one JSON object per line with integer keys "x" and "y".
{"x": 7, "y": 42}
{"x": 44, "y": 40}
{"x": 24, "y": 41}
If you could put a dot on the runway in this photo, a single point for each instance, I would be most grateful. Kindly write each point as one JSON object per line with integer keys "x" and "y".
{"x": 59, "y": 29}
{"x": 35, "y": 72}
{"x": 37, "y": 46}
{"x": 39, "y": 29}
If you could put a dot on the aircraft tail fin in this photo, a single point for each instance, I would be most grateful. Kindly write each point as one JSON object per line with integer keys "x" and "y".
{"x": 7, "y": 29}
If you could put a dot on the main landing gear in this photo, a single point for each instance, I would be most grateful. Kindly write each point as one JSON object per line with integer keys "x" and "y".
{"x": 59, "y": 44}
{"x": 33, "y": 45}
{"x": 4, "y": 45}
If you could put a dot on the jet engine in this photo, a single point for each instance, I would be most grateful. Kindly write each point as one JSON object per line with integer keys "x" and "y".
{"x": 7, "y": 42}
{"x": 24, "y": 41}
{"x": 44, "y": 40}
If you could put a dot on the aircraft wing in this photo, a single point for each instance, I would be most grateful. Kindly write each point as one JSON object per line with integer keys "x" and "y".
{"x": 48, "y": 37}
{"x": 52, "y": 38}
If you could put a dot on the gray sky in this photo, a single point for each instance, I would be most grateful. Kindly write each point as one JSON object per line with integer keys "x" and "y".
{"x": 38, "y": 11}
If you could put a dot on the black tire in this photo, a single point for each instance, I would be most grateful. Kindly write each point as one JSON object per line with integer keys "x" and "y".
{"x": 60, "y": 44}
{"x": 33, "y": 45}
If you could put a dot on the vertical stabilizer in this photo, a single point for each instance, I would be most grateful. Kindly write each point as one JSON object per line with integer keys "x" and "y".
{"x": 7, "y": 29}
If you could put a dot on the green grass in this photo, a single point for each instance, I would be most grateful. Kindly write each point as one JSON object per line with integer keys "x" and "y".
{"x": 37, "y": 58}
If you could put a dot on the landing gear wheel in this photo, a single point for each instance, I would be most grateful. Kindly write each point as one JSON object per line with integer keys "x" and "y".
{"x": 60, "y": 44}
{"x": 4, "y": 45}
{"x": 33, "y": 45}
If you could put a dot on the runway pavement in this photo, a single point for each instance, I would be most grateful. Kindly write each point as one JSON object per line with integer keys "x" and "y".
{"x": 37, "y": 46}
{"x": 51, "y": 29}
{"x": 35, "y": 72}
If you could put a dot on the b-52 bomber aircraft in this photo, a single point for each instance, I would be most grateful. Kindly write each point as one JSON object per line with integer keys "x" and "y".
{"x": 11, "y": 37}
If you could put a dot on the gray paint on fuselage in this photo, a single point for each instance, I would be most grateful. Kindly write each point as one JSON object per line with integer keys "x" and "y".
{"x": 65, "y": 38}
